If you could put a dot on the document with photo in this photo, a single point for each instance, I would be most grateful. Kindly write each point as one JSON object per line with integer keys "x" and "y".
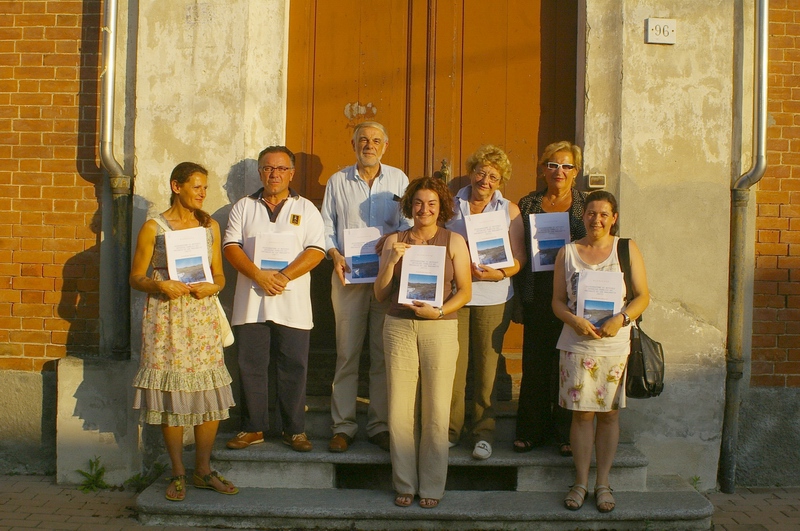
{"x": 274, "y": 251}
{"x": 487, "y": 236}
{"x": 359, "y": 252}
{"x": 549, "y": 233}
{"x": 599, "y": 295}
{"x": 187, "y": 255}
{"x": 422, "y": 275}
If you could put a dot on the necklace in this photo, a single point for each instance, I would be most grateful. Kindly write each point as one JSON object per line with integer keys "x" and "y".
{"x": 560, "y": 198}
{"x": 423, "y": 240}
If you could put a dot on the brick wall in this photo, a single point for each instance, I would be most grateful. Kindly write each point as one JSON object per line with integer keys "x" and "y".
{"x": 776, "y": 304}
{"x": 49, "y": 181}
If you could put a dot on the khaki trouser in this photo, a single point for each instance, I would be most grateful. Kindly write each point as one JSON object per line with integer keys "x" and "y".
{"x": 420, "y": 364}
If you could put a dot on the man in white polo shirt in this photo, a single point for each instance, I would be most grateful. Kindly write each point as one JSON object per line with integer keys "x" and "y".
{"x": 272, "y": 304}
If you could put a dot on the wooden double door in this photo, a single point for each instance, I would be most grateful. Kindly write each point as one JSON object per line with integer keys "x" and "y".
{"x": 443, "y": 76}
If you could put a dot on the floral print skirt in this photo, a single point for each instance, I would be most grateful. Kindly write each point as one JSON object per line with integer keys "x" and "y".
{"x": 591, "y": 383}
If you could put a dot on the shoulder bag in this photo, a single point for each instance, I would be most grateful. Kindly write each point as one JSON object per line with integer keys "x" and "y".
{"x": 645, "y": 371}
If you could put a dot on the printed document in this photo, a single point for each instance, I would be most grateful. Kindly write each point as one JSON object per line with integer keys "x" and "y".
{"x": 487, "y": 236}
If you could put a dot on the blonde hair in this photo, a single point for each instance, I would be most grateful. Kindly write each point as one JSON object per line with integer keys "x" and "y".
{"x": 489, "y": 155}
{"x": 556, "y": 147}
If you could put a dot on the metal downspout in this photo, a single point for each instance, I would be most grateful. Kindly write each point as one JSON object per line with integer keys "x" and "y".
{"x": 120, "y": 185}
{"x": 740, "y": 196}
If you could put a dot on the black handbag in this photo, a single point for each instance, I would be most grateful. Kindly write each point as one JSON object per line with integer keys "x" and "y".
{"x": 645, "y": 371}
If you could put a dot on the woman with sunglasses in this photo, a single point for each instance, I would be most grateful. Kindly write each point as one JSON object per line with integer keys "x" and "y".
{"x": 539, "y": 418}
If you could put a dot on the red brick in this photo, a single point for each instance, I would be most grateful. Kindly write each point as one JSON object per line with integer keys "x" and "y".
{"x": 762, "y": 367}
{"x": 768, "y": 354}
{"x": 764, "y": 341}
{"x": 788, "y": 288}
{"x": 770, "y": 328}
{"x": 765, "y": 287}
{"x": 15, "y": 364}
{"x": 787, "y": 367}
{"x": 31, "y": 310}
{"x": 767, "y": 381}
{"x": 792, "y": 381}
{"x": 789, "y": 262}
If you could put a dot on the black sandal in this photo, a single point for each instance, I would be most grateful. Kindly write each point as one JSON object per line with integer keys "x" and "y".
{"x": 523, "y": 445}
{"x": 565, "y": 450}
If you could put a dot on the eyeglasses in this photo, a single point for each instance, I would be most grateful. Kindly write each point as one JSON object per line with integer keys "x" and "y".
{"x": 277, "y": 169}
{"x": 555, "y": 166}
{"x": 481, "y": 175}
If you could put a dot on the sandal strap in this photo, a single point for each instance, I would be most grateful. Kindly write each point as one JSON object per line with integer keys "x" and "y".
{"x": 577, "y": 490}
{"x": 214, "y": 474}
{"x": 180, "y": 481}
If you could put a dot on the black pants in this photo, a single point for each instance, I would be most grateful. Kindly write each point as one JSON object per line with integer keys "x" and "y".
{"x": 539, "y": 417}
{"x": 257, "y": 342}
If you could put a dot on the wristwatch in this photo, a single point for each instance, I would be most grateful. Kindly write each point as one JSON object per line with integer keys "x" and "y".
{"x": 441, "y": 312}
{"x": 625, "y": 319}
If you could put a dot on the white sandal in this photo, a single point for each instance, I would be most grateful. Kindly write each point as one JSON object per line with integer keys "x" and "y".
{"x": 574, "y": 499}
{"x": 482, "y": 450}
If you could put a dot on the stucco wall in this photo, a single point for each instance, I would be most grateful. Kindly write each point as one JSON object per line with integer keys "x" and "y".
{"x": 27, "y": 445}
{"x": 659, "y": 122}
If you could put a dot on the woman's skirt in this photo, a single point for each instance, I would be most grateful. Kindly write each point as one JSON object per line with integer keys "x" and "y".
{"x": 591, "y": 383}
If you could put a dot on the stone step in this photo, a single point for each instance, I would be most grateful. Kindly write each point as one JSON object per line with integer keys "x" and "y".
{"x": 669, "y": 503}
{"x": 275, "y": 465}
{"x": 318, "y": 418}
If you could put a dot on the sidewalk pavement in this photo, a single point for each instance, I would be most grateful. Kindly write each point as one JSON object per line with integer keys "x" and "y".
{"x": 36, "y": 502}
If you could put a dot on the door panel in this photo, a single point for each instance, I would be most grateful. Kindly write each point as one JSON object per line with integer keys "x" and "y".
{"x": 443, "y": 76}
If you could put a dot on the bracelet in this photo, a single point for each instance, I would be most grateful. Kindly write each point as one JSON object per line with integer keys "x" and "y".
{"x": 441, "y": 312}
{"x": 284, "y": 274}
{"x": 503, "y": 272}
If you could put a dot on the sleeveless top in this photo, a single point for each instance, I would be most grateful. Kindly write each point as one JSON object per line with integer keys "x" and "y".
{"x": 442, "y": 238}
{"x": 569, "y": 339}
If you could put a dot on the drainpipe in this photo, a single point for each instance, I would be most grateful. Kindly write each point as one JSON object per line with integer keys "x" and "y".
{"x": 120, "y": 185}
{"x": 740, "y": 196}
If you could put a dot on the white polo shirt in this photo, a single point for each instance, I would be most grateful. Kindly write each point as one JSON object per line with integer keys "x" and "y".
{"x": 248, "y": 217}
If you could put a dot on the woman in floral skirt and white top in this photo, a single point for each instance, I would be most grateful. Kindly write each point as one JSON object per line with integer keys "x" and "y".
{"x": 182, "y": 378}
{"x": 593, "y": 358}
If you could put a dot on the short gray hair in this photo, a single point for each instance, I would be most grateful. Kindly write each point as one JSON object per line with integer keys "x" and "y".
{"x": 364, "y": 125}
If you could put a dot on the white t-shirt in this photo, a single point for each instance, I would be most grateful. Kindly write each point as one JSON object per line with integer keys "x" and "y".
{"x": 248, "y": 217}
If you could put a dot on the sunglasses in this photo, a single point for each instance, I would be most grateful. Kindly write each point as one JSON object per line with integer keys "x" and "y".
{"x": 555, "y": 166}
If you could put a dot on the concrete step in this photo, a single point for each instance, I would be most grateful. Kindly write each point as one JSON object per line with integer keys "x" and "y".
{"x": 669, "y": 503}
{"x": 318, "y": 418}
{"x": 275, "y": 465}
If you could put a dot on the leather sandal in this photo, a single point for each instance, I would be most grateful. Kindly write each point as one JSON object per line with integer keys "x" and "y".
{"x": 403, "y": 500}
{"x": 205, "y": 482}
{"x": 523, "y": 445}
{"x": 603, "y": 499}
{"x": 428, "y": 503}
{"x": 180, "y": 488}
{"x": 574, "y": 499}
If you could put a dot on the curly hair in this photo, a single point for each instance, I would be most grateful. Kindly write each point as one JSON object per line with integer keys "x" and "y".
{"x": 489, "y": 155}
{"x": 439, "y": 187}
{"x": 181, "y": 174}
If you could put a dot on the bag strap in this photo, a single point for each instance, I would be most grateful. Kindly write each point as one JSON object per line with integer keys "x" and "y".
{"x": 162, "y": 224}
{"x": 624, "y": 257}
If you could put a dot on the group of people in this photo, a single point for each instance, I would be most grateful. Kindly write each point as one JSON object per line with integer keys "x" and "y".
{"x": 420, "y": 353}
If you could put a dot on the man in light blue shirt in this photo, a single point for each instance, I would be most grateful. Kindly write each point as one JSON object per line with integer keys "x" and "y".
{"x": 365, "y": 194}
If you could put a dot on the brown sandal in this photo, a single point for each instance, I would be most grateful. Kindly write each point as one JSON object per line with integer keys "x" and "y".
{"x": 403, "y": 500}
{"x": 204, "y": 482}
{"x": 428, "y": 503}
{"x": 180, "y": 488}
